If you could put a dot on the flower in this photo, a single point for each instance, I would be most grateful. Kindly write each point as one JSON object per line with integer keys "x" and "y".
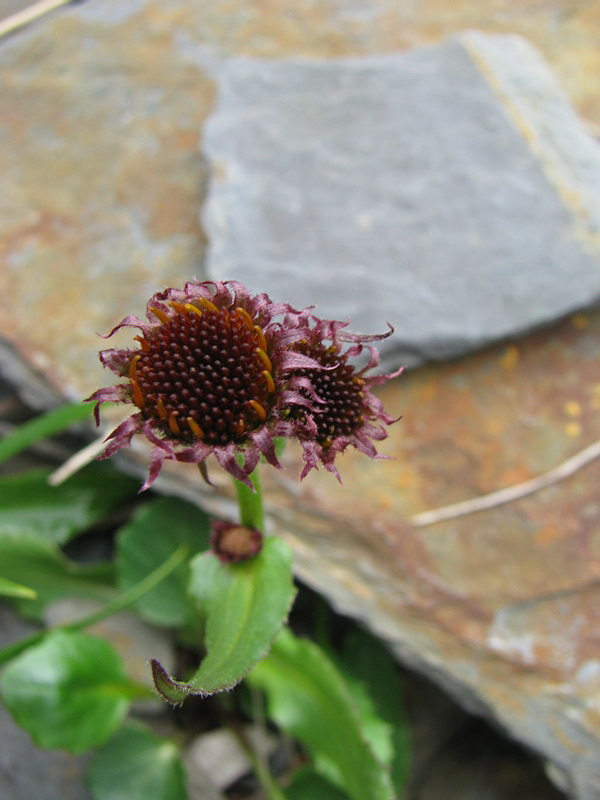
{"x": 344, "y": 411}
{"x": 210, "y": 375}
{"x": 233, "y": 543}
{"x": 220, "y": 371}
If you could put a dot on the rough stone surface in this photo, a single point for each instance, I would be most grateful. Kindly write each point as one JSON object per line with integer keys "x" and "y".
{"x": 9, "y": 7}
{"x": 100, "y": 109}
{"x": 28, "y": 772}
{"x": 450, "y": 190}
{"x": 218, "y": 755}
{"x": 100, "y": 207}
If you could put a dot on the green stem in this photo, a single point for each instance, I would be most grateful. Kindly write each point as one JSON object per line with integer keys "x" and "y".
{"x": 132, "y": 595}
{"x": 264, "y": 776}
{"x": 118, "y": 604}
{"x": 261, "y": 770}
{"x": 129, "y": 689}
{"x": 42, "y": 426}
{"x": 250, "y": 502}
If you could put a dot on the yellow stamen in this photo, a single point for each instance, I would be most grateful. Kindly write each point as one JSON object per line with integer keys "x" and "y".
{"x": 173, "y": 423}
{"x": 162, "y": 411}
{"x": 133, "y": 366}
{"x": 261, "y": 337}
{"x": 246, "y": 317}
{"x": 327, "y": 442}
{"x": 207, "y": 304}
{"x": 180, "y": 307}
{"x": 194, "y": 309}
{"x": 143, "y": 343}
{"x": 195, "y": 428}
{"x": 269, "y": 381}
{"x": 164, "y": 318}
{"x": 138, "y": 396}
{"x": 358, "y": 381}
{"x": 264, "y": 358}
{"x": 260, "y": 411}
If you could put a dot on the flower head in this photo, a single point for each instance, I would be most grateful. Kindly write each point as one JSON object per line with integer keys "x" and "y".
{"x": 209, "y": 376}
{"x": 344, "y": 411}
{"x": 220, "y": 371}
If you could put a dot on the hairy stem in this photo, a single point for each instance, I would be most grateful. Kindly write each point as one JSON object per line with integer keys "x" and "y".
{"x": 250, "y": 502}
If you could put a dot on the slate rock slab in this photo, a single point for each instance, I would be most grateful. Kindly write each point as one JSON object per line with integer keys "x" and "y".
{"x": 102, "y": 181}
{"x": 450, "y": 190}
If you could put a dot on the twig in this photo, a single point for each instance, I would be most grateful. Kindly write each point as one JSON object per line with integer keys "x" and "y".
{"x": 564, "y": 470}
{"x": 21, "y": 18}
{"x": 78, "y": 461}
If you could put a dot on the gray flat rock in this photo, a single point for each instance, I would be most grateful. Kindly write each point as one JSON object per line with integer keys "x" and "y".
{"x": 450, "y": 190}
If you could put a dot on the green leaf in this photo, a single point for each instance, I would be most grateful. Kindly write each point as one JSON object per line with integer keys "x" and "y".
{"x": 308, "y": 784}
{"x": 308, "y": 697}
{"x": 12, "y": 589}
{"x": 42, "y": 426}
{"x": 32, "y": 561}
{"x": 116, "y": 604}
{"x": 245, "y": 606}
{"x": 29, "y": 503}
{"x": 377, "y": 731}
{"x": 69, "y": 692}
{"x": 374, "y": 679}
{"x": 137, "y": 765}
{"x": 155, "y": 532}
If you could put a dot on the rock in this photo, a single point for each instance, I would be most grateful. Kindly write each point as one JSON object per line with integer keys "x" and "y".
{"x": 9, "y": 7}
{"x": 199, "y": 786}
{"x": 105, "y": 189}
{"x": 450, "y": 190}
{"x": 457, "y": 757}
{"x": 483, "y": 766}
{"x": 102, "y": 176}
{"x": 220, "y": 758}
{"x": 27, "y": 771}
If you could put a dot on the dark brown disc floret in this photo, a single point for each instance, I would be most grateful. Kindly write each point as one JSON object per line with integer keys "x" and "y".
{"x": 339, "y": 389}
{"x": 204, "y": 373}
